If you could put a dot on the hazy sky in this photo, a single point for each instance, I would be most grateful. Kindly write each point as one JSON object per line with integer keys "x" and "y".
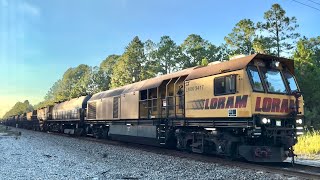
{"x": 41, "y": 39}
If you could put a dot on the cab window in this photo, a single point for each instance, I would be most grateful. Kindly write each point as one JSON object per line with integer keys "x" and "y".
{"x": 225, "y": 85}
{"x": 255, "y": 79}
{"x": 273, "y": 81}
{"x": 291, "y": 81}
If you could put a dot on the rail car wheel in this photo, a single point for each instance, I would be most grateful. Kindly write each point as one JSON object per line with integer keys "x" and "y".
{"x": 97, "y": 134}
{"x": 79, "y": 131}
{"x": 100, "y": 132}
{"x": 184, "y": 140}
{"x": 233, "y": 152}
{"x": 105, "y": 134}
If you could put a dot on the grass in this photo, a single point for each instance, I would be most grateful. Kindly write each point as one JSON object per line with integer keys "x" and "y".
{"x": 308, "y": 144}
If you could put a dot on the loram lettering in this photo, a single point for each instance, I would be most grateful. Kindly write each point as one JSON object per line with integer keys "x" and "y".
{"x": 273, "y": 105}
{"x": 226, "y": 102}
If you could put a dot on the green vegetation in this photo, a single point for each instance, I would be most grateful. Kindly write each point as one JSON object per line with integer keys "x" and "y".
{"x": 204, "y": 62}
{"x": 19, "y": 108}
{"x": 132, "y": 66}
{"x": 308, "y": 144}
{"x": 280, "y": 29}
{"x": 242, "y": 37}
{"x": 194, "y": 49}
{"x": 307, "y": 63}
{"x": 142, "y": 60}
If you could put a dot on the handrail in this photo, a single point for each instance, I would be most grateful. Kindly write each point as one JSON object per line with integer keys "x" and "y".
{"x": 174, "y": 90}
{"x": 166, "y": 108}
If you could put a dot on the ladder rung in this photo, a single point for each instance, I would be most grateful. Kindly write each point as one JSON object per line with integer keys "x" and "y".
{"x": 162, "y": 143}
{"x": 162, "y": 131}
{"x": 162, "y": 137}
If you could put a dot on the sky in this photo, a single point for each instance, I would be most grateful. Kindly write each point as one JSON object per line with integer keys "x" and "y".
{"x": 40, "y": 40}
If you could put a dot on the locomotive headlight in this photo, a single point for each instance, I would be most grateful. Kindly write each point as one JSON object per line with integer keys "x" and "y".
{"x": 299, "y": 121}
{"x": 264, "y": 120}
{"x": 275, "y": 64}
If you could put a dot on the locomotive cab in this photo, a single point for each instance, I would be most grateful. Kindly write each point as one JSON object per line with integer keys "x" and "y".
{"x": 277, "y": 108}
{"x": 250, "y": 107}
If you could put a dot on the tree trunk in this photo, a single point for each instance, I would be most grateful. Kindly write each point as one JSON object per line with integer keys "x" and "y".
{"x": 278, "y": 43}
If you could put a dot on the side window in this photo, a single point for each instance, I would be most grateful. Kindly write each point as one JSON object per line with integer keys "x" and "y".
{"x": 225, "y": 85}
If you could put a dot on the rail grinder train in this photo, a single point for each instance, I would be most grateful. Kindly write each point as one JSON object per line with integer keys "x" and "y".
{"x": 250, "y": 107}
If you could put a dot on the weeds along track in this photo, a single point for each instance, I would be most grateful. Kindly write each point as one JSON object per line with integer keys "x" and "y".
{"x": 298, "y": 170}
{"x": 308, "y": 143}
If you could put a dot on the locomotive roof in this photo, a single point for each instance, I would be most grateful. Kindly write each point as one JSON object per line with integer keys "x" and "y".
{"x": 192, "y": 73}
{"x": 72, "y": 104}
{"x": 236, "y": 64}
{"x": 156, "y": 82}
{"x": 142, "y": 85}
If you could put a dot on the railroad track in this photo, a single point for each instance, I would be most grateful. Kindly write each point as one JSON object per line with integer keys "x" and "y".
{"x": 298, "y": 170}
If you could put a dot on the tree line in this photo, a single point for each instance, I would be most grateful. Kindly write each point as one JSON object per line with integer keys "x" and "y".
{"x": 275, "y": 35}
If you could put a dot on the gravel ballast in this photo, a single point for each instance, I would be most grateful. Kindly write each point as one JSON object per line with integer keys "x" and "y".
{"x": 38, "y": 155}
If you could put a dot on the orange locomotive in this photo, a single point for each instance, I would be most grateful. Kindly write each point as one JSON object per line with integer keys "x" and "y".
{"x": 249, "y": 107}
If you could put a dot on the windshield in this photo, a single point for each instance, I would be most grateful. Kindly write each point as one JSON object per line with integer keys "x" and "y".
{"x": 273, "y": 80}
{"x": 255, "y": 78}
{"x": 290, "y": 79}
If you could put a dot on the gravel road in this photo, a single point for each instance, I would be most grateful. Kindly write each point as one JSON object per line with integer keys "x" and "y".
{"x": 38, "y": 155}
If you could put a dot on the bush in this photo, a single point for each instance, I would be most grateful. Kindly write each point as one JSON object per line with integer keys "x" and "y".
{"x": 308, "y": 144}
